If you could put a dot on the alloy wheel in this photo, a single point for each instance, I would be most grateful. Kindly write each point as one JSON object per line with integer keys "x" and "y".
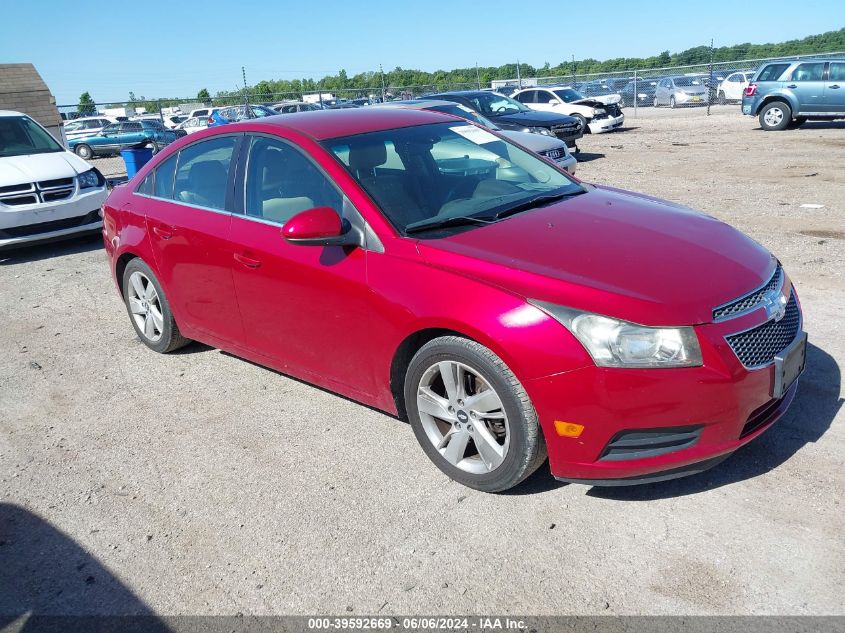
{"x": 145, "y": 306}
{"x": 463, "y": 417}
{"x": 773, "y": 116}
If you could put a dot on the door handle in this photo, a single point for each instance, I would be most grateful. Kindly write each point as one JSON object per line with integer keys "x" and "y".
{"x": 792, "y": 86}
{"x": 164, "y": 233}
{"x": 834, "y": 86}
{"x": 247, "y": 261}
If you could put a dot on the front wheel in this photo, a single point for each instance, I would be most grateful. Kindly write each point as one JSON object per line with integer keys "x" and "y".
{"x": 775, "y": 116}
{"x": 471, "y": 415}
{"x": 655, "y": 102}
{"x": 83, "y": 151}
{"x": 722, "y": 99}
{"x": 149, "y": 310}
{"x": 672, "y": 102}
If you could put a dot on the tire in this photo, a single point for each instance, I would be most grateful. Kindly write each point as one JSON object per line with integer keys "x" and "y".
{"x": 672, "y": 102}
{"x": 84, "y": 152}
{"x": 797, "y": 122}
{"x": 722, "y": 99}
{"x": 584, "y": 128}
{"x": 775, "y": 115}
{"x": 511, "y": 442}
{"x": 159, "y": 334}
{"x": 655, "y": 102}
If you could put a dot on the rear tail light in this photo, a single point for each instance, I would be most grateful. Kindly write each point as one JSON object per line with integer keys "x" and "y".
{"x": 750, "y": 90}
{"x": 210, "y": 120}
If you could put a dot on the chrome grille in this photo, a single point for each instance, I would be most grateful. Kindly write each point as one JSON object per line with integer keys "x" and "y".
{"x": 749, "y": 301}
{"x": 33, "y": 193}
{"x": 758, "y": 346}
{"x": 554, "y": 154}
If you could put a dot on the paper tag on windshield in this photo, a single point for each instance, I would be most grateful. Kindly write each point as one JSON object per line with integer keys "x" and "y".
{"x": 474, "y": 134}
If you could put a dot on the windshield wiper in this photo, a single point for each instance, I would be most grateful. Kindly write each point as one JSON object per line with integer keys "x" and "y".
{"x": 436, "y": 223}
{"x": 533, "y": 203}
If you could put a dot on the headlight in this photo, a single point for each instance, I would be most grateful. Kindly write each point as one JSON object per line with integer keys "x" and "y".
{"x": 615, "y": 343}
{"x": 598, "y": 111}
{"x": 538, "y": 130}
{"x": 90, "y": 178}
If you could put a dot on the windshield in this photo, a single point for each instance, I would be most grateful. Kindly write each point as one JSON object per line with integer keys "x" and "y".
{"x": 432, "y": 174}
{"x": 492, "y": 104}
{"x": 21, "y": 136}
{"x": 687, "y": 81}
{"x": 568, "y": 95}
{"x": 262, "y": 111}
{"x": 464, "y": 112}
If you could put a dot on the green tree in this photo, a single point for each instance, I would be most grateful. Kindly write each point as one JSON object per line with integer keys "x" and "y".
{"x": 86, "y": 104}
{"x": 203, "y": 96}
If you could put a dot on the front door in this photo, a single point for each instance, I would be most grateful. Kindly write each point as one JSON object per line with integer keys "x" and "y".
{"x": 308, "y": 308}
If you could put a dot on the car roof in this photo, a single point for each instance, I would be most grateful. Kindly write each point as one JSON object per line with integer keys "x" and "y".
{"x": 417, "y": 103}
{"x": 327, "y": 124}
{"x": 465, "y": 93}
{"x": 12, "y": 113}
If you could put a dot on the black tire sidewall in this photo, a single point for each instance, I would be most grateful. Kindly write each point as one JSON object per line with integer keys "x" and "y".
{"x": 585, "y": 128}
{"x": 84, "y": 152}
{"x": 163, "y": 344}
{"x": 513, "y": 468}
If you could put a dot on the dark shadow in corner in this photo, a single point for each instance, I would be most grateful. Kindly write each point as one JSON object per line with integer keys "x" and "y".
{"x": 47, "y": 250}
{"x": 586, "y": 157}
{"x": 50, "y": 583}
{"x": 810, "y": 416}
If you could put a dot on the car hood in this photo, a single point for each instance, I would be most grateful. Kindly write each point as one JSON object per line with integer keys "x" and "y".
{"x": 533, "y": 118}
{"x": 611, "y": 252}
{"x": 16, "y": 170}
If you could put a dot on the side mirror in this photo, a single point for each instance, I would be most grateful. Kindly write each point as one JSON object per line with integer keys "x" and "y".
{"x": 320, "y": 226}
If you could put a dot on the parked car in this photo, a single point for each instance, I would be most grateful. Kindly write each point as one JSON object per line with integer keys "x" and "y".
{"x": 507, "y": 319}
{"x": 205, "y": 111}
{"x": 289, "y": 107}
{"x": 680, "y": 90}
{"x": 503, "y": 90}
{"x": 123, "y": 135}
{"x": 46, "y": 192}
{"x": 599, "y": 114}
{"x": 172, "y": 121}
{"x": 194, "y": 124}
{"x": 231, "y": 114}
{"x": 644, "y": 87}
{"x": 787, "y": 94}
{"x": 733, "y": 86}
{"x": 547, "y": 146}
{"x": 86, "y": 126}
{"x": 510, "y": 114}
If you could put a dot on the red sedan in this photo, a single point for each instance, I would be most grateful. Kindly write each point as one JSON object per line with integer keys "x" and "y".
{"x": 435, "y": 270}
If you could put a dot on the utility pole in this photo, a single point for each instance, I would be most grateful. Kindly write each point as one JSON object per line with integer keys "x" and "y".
{"x": 477, "y": 76}
{"x": 518, "y": 76}
{"x": 246, "y": 98}
{"x": 381, "y": 70}
{"x": 710, "y": 82}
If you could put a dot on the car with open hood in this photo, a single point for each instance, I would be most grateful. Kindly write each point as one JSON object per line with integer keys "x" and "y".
{"x": 597, "y": 114}
{"x": 510, "y": 312}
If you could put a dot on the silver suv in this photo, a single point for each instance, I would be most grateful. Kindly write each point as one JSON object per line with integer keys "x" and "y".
{"x": 787, "y": 94}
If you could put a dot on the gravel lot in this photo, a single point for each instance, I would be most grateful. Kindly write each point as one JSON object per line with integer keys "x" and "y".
{"x": 198, "y": 483}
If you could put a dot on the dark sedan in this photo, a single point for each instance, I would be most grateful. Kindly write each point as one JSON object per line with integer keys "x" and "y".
{"x": 510, "y": 114}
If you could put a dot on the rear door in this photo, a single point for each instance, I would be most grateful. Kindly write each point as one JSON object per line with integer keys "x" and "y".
{"x": 834, "y": 88}
{"x": 807, "y": 84}
{"x": 188, "y": 222}
{"x": 131, "y": 133}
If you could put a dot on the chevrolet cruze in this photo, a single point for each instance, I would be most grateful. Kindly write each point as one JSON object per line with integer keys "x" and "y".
{"x": 438, "y": 271}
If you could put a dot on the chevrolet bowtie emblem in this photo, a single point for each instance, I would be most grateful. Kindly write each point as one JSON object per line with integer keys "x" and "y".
{"x": 775, "y": 305}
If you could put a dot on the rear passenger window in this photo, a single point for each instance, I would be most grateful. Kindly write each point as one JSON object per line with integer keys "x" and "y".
{"x": 808, "y": 72}
{"x": 837, "y": 71}
{"x": 772, "y": 72}
{"x": 203, "y": 173}
{"x": 164, "y": 178}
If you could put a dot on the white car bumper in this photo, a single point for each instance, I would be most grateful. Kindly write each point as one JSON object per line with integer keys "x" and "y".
{"x": 29, "y": 223}
{"x": 597, "y": 126}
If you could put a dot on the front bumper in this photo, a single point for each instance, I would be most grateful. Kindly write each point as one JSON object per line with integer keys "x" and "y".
{"x": 717, "y": 407}
{"x": 597, "y": 126}
{"x": 28, "y": 224}
{"x": 569, "y": 162}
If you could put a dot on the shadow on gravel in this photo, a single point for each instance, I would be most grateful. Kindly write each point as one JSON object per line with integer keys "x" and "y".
{"x": 586, "y": 157}
{"x": 538, "y": 483}
{"x": 47, "y": 577}
{"x": 810, "y": 416}
{"x": 49, "y": 250}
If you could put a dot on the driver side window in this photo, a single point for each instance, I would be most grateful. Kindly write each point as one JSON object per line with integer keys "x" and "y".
{"x": 281, "y": 182}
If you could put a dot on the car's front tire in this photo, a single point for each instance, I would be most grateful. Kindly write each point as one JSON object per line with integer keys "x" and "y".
{"x": 471, "y": 415}
{"x": 149, "y": 310}
{"x": 672, "y": 102}
{"x": 84, "y": 152}
{"x": 584, "y": 126}
{"x": 775, "y": 116}
{"x": 722, "y": 99}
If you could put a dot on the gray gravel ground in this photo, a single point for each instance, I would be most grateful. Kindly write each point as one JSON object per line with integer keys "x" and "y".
{"x": 198, "y": 483}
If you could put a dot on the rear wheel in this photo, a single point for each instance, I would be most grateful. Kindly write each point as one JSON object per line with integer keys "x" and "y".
{"x": 775, "y": 116}
{"x": 83, "y": 151}
{"x": 471, "y": 415}
{"x": 149, "y": 310}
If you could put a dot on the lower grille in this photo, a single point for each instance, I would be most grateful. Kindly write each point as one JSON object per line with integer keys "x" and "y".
{"x": 650, "y": 442}
{"x": 47, "y": 227}
{"x": 760, "y": 417}
{"x": 759, "y": 346}
{"x": 752, "y": 299}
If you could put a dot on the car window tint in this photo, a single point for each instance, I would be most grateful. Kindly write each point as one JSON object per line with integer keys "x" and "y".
{"x": 808, "y": 72}
{"x": 111, "y": 129}
{"x": 146, "y": 186}
{"x": 281, "y": 182}
{"x": 543, "y": 96}
{"x": 164, "y": 178}
{"x": 772, "y": 72}
{"x": 837, "y": 71}
{"x": 525, "y": 97}
{"x": 203, "y": 173}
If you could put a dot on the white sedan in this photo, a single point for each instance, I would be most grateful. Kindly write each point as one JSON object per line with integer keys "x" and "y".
{"x": 194, "y": 124}
{"x": 598, "y": 114}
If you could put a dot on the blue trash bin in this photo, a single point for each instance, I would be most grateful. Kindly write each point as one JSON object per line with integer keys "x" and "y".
{"x": 135, "y": 159}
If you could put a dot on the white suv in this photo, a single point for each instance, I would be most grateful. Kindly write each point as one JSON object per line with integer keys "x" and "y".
{"x": 46, "y": 192}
